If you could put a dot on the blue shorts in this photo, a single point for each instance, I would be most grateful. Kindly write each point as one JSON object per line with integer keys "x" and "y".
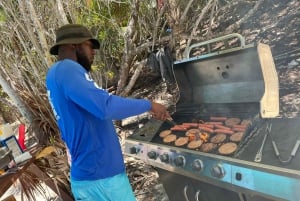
{"x": 116, "y": 188}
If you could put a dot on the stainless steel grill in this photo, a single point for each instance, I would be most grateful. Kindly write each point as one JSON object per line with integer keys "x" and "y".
{"x": 238, "y": 82}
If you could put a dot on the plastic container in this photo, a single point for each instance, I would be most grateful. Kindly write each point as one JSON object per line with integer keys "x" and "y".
{"x": 21, "y": 138}
{"x": 12, "y": 144}
{"x": 5, "y": 157}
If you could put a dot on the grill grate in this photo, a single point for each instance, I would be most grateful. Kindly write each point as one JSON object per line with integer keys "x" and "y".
{"x": 196, "y": 114}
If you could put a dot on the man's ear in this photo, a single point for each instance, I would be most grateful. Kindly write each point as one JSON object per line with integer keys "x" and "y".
{"x": 74, "y": 47}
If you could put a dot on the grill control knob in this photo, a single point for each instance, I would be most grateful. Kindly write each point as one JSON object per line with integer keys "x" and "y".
{"x": 197, "y": 165}
{"x": 218, "y": 171}
{"x": 134, "y": 150}
{"x": 152, "y": 154}
{"x": 164, "y": 158}
{"x": 179, "y": 161}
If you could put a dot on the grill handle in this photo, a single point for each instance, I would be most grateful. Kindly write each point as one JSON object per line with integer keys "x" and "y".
{"x": 186, "y": 196}
{"x": 197, "y": 195}
{"x": 214, "y": 40}
{"x": 185, "y": 193}
{"x": 295, "y": 149}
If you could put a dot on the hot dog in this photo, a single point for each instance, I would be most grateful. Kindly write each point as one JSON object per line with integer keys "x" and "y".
{"x": 240, "y": 126}
{"x": 206, "y": 129}
{"x": 178, "y": 128}
{"x": 214, "y": 122}
{"x": 218, "y": 118}
{"x": 190, "y": 124}
{"x": 184, "y": 126}
{"x": 224, "y": 131}
{"x": 222, "y": 127}
{"x": 206, "y": 125}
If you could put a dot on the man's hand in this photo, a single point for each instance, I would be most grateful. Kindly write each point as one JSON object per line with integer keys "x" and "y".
{"x": 159, "y": 111}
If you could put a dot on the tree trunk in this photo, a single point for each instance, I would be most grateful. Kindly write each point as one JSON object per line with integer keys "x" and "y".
{"x": 133, "y": 79}
{"x": 16, "y": 100}
{"x": 41, "y": 33}
{"x": 200, "y": 18}
{"x": 61, "y": 12}
{"x": 128, "y": 48}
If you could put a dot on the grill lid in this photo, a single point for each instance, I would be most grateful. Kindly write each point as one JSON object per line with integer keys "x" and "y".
{"x": 244, "y": 74}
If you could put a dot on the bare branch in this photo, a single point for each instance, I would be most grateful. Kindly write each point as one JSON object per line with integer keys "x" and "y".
{"x": 161, "y": 12}
{"x": 134, "y": 77}
{"x": 128, "y": 47}
{"x": 211, "y": 17}
{"x": 201, "y": 16}
{"x": 183, "y": 15}
{"x": 240, "y": 21}
{"x": 40, "y": 32}
{"x": 61, "y": 12}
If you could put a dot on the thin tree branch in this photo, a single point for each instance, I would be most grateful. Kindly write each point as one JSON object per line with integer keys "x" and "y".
{"x": 240, "y": 21}
{"x": 201, "y": 16}
{"x": 134, "y": 77}
{"x": 183, "y": 16}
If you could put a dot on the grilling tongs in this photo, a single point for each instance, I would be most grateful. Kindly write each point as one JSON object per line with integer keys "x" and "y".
{"x": 292, "y": 155}
{"x": 258, "y": 156}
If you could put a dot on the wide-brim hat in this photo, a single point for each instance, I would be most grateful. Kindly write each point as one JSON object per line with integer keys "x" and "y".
{"x": 73, "y": 34}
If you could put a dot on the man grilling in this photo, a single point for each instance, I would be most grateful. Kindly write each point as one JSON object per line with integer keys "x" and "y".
{"x": 85, "y": 114}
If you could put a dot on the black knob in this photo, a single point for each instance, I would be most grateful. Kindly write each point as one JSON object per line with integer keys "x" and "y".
{"x": 133, "y": 150}
{"x": 197, "y": 165}
{"x": 218, "y": 171}
{"x": 152, "y": 154}
{"x": 238, "y": 176}
{"x": 179, "y": 161}
{"x": 164, "y": 158}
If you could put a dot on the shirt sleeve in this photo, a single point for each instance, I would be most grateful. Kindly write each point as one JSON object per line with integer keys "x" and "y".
{"x": 82, "y": 90}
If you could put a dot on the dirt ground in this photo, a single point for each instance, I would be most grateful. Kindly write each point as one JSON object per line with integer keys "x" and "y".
{"x": 276, "y": 23}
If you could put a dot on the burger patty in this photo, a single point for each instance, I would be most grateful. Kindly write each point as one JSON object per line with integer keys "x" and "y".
{"x": 236, "y": 137}
{"x": 218, "y": 138}
{"x": 165, "y": 133}
{"x": 195, "y": 144}
{"x": 232, "y": 121}
{"x": 207, "y": 147}
{"x": 169, "y": 138}
{"x": 181, "y": 141}
{"x": 227, "y": 148}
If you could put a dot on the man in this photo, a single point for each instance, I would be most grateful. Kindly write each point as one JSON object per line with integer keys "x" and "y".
{"x": 85, "y": 114}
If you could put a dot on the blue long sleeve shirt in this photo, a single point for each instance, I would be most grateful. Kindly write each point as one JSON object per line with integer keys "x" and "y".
{"x": 85, "y": 114}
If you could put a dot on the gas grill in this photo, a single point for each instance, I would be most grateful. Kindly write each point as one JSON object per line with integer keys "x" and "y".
{"x": 237, "y": 82}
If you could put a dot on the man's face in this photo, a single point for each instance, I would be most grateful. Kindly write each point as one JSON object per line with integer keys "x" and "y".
{"x": 85, "y": 54}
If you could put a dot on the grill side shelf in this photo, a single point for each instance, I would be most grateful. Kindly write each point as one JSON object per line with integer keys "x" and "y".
{"x": 147, "y": 132}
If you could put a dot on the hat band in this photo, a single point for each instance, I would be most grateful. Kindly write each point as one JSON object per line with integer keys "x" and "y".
{"x": 72, "y": 35}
